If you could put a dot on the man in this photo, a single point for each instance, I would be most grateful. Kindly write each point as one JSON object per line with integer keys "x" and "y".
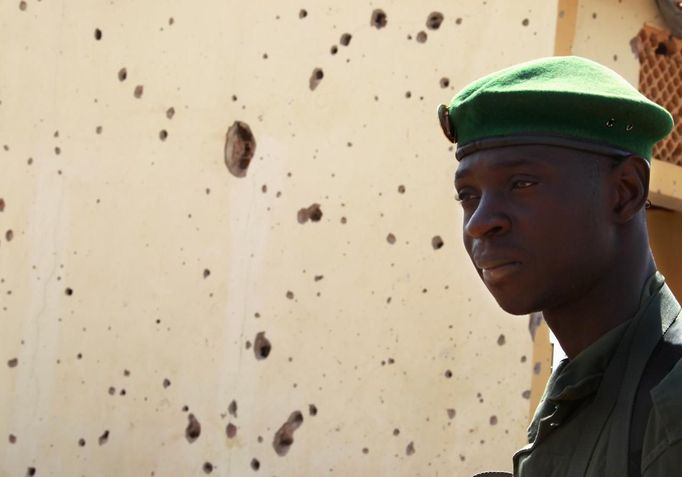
{"x": 553, "y": 179}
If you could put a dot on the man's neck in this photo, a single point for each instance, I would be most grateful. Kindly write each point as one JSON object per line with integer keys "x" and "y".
{"x": 612, "y": 300}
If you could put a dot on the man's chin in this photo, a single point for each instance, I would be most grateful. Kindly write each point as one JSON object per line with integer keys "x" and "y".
{"x": 515, "y": 306}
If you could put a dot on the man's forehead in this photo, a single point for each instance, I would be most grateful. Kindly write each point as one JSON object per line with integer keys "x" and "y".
{"x": 536, "y": 156}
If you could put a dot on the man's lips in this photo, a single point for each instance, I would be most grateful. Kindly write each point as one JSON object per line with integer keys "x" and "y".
{"x": 496, "y": 269}
{"x": 485, "y": 263}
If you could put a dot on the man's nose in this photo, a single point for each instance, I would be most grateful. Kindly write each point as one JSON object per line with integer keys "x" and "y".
{"x": 490, "y": 217}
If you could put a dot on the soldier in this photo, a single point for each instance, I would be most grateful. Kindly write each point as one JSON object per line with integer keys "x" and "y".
{"x": 553, "y": 179}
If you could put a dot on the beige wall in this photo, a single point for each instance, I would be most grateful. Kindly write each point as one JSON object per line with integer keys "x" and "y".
{"x": 130, "y": 223}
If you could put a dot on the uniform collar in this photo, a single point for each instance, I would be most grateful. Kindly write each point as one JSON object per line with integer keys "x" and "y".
{"x": 580, "y": 377}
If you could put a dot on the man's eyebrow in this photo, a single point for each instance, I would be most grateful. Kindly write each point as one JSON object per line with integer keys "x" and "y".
{"x": 510, "y": 164}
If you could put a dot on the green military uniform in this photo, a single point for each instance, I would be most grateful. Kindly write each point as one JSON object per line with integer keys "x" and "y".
{"x": 616, "y": 408}
{"x": 581, "y": 426}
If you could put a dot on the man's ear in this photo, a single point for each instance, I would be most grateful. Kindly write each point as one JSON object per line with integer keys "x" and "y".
{"x": 631, "y": 187}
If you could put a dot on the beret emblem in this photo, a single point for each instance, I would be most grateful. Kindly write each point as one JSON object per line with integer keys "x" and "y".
{"x": 446, "y": 126}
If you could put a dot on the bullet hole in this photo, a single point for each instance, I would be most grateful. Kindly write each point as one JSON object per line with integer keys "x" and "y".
{"x": 139, "y": 89}
{"x": 312, "y": 213}
{"x": 240, "y": 146}
{"x": 493, "y": 420}
{"x": 112, "y": 390}
{"x": 265, "y": 56}
{"x": 81, "y": 442}
{"x": 207, "y": 272}
{"x": 408, "y": 94}
{"x": 525, "y": 22}
{"x": 12, "y": 363}
{"x": 378, "y": 19}
{"x": 526, "y": 394}
{"x": 255, "y": 465}
{"x": 163, "y": 134}
{"x": 185, "y": 408}
{"x": 661, "y": 49}
{"x": 2, "y": 205}
{"x": 312, "y": 409}
{"x": 122, "y": 74}
{"x": 422, "y": 37}
{"x": 260, "y": 439}
{"x": 537, "y": 368}
{"x": 390, "y": 238}
{"x": 344, "y": 220}
{"x": 437, "y": 242}
{"x": 208, "y": 467}
{"x": 434, "y": 20}
{"x": 318, "y": 277}
{"x": 170, "y": 112}
{"x": 232, "y": 408}
{"x": 334, "y": 49}
{"x": 193, "y": 430}
{"x": 166, "y": 383}
{"x": 22, "y": 5}
{"x": 122, "y": 392}
{"x": 401, "y": 189}
{"x": 444, "y": 82}
{"x": 365, "y": 450}
{"x": 98, "y": 129}
{"x": 171, "y": 21}
{"x": 290, "y": 295}
{"x": 345, "y": 39}
{"x": 302, "y": 13}
{"x": 68, "y": 291}
{"x": 284, "y": 437}
{"x": 315, "y": 78}
{"x": 261, "y": 346}
{"x": 523, "y": 358}
{"x": 247, "y": 345}
{"x": 451, "y": 413}
{"x": 448, "y": 374}
{"x": 409, "y": 450}
{"x": 103, "y": 438}
{"x": 98, "y": 34}
{"x": 231, "y": 430}
{"x": 12, "y": 439}
{"x": 396, "y": 431}
{"x": 126, "y": 373}
{"x": 594, "y": 15}
{"x": 501, "y": 340}
{"x": 31, "y": 470}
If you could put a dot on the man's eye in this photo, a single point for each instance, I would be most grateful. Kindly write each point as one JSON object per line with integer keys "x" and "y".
{"x": 522, "y": 184}
{"x": 464, "y": 196}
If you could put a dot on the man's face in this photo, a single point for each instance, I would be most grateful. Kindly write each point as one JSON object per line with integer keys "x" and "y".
{"x": 537, "y": 223}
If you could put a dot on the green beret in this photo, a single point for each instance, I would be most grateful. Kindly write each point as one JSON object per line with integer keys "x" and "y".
{"x": 564, "y": 100}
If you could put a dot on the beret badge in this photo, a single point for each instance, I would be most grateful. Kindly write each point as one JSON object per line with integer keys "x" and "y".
{"x": 446, "y": 126}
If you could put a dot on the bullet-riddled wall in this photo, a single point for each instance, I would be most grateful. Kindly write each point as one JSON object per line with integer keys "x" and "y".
{"x": 309, "y": 312}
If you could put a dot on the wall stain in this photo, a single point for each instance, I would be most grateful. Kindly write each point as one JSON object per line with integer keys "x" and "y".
{"x": 232, "y": 408}
{"x": 312, "y": 213}
{"x": 434, "y": 20}
{"x": 193, "y": 430}
{"x": 261, "y": 346}
{"x": 409, "y": 450}
{"x": 231, "y": 430}
{"x": 437, "y": 242}
{"x": 12, "y": 363}
{"x": 315, "y": 78}
{"x": 139, "y": 90}
{"x": 240, "y": 146}
{"x": 378, "y": 19}
{"x": 284, "y": 437}
{"x": 103, "y": 438}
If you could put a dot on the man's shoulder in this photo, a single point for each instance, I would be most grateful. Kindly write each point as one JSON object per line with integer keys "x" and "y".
{"x": 664, "y": 429}
{"x": 667, "y": 401}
